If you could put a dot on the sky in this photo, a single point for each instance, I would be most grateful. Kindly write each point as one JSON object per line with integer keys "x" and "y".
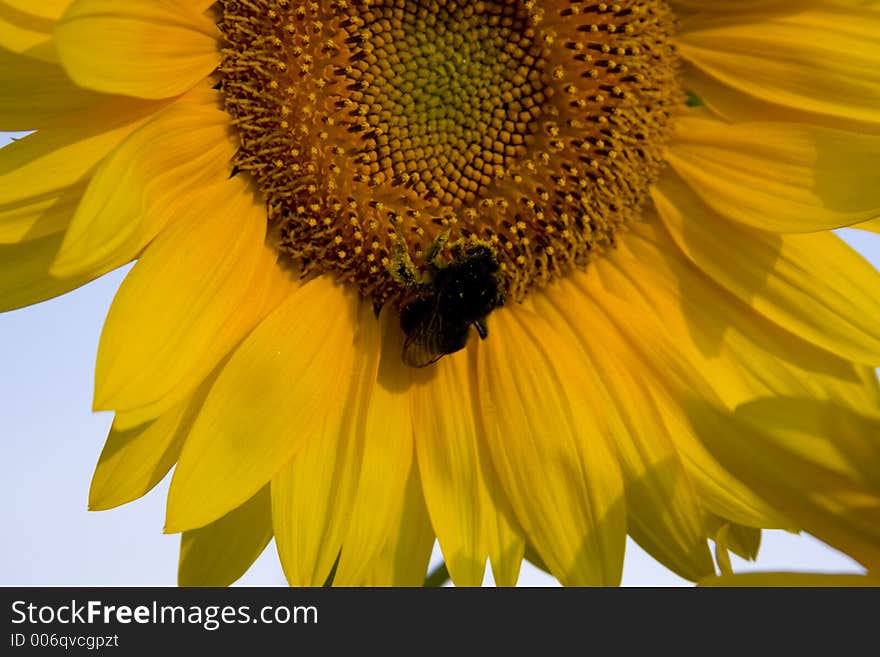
{"x": 50, "y": 441}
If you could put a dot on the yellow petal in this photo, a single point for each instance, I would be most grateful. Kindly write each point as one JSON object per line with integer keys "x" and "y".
{"x": 720, "y": 491}
{"x": 312, "y": 496}
{"x": 742, "y": 353}
{"x": 838, "y": 439}
{"x": 37, "y": 93}
{"x": 71, "y": 154}
{"x": 785, "y": 61}
{"x": 800, "y": 178}
{"x": 24, "y": 273}
{"x": 198, "y": 6}
{"x": 870, "y": 377}
{"x": 407, "y": 551}
{"x": 140, "y": 48}
{"x": 139, "y": 453}
{"x": 813, "y": 285}
{"x": 815, "y": 460}
{"x": 219, "y": 553}
{"x": 504, "y": 535}
{"x": 24, "y": 33}
{"x": 805, "y": 370}
{"x": 133, "y": 461}
{"x": 446, "y": 447}
{"x": 189, "y": 299}
{"x": 269, "y": 287}
{"x": 30, "y": 219}
{"x": 743, "y": 541}
{"x": 665, "y": 515}
{"x": 277, "y": 391}
{"x": 386, "y": 463}
{"x": 873, "y": 226}
{"x": 735, "y": 5}
{"x": 776, "y": 579}
{"x": 452, "y": 465}
{"x": 46, "y": 9}
{"x": 722, "y": 556}
{"x": 674, "y": 370}
{"x": 150, "y": 178}
{"x": 547, "y": 428}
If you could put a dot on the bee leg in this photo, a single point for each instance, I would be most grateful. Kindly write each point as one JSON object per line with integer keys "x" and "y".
{"x": 402, "y": 268}
{"x": 434, "y": 250}
{"x": 377, "y": 308}
{"x": 482, "y": 329}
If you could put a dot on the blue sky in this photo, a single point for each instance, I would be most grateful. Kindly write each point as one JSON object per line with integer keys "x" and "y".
{"x": 50, "y": 441}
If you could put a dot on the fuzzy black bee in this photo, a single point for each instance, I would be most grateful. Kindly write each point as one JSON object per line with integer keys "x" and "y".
{"x": 437, "y": 316}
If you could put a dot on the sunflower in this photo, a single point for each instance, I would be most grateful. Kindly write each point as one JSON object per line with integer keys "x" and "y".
{"x": 521, "y": 276}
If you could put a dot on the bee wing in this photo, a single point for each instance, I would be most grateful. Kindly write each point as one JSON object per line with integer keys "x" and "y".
{"x": 424, "y": 343}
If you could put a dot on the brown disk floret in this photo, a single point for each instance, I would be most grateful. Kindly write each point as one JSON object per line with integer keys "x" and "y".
{"x": 533, "y": 127}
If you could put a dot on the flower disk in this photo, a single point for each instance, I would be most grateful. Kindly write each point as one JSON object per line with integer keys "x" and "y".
{"x": 532, "y": 127}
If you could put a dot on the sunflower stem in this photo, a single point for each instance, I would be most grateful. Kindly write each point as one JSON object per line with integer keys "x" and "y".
{"x": 437, "y": 577}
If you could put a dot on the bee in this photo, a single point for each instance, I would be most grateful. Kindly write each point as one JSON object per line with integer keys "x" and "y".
{"x": 436, "y": 314}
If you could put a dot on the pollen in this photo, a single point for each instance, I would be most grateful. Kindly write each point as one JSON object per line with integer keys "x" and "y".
{"x": 370, "y": 126}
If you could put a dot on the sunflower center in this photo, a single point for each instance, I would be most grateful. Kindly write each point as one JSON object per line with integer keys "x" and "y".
{"x": 383, "y": 132}
{"x": 439, "y": 91}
